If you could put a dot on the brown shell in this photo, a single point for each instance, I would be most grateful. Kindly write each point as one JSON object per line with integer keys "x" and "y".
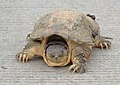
{"x": 68, "y": 24}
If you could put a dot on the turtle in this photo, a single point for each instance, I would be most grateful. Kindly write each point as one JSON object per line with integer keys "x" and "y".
{"x": 64, "y": 37}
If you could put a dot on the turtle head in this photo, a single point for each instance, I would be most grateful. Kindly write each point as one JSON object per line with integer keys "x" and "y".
{"x": 56, "y": 52}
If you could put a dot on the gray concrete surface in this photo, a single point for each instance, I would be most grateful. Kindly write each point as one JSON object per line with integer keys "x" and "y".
{"x": 17, "y": 18}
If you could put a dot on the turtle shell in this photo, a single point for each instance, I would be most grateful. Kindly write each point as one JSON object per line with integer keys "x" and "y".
{"x": 69, "y": 24}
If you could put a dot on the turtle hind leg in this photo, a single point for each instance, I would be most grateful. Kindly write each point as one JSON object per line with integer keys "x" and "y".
{"x": 79, "y": 59}
{"x": 102, "y": 42}
{"x": 30, "y": 51}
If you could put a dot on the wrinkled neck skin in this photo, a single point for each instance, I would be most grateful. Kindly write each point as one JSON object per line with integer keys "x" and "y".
{"x": 56, "y": 53}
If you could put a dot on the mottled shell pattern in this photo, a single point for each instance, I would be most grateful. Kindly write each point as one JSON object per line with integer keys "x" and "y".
{"x": 69, "y": 24}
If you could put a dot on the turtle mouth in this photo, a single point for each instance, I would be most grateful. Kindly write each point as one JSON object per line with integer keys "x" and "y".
{"x": 60, "y": 63}
{"x": 57, "y": 60}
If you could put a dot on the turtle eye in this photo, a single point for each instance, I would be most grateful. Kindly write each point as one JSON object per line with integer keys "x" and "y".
{"x": 60, "y": 55}
{"x": 51, "y": 55}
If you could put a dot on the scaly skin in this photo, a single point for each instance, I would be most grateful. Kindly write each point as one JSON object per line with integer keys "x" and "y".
{"x": 80, "y": 55}
{"x": 102, "y": 43}
{"x": 31, "y": 50}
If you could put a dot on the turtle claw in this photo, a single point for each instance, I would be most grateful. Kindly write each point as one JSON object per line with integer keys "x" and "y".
{"x": 77, "y": 68}
{"x": 79, "y": 64}
{"x": 105, "y": 44}
{"x": 72, "y": 67}
{"x": 22, "y": 57}
{"x": 101, "y": 45}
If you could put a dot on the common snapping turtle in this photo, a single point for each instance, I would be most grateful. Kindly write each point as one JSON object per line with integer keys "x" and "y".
{"x": 63, "y": 37}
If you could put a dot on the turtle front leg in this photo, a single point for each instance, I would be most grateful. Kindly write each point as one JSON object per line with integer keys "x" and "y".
{"x": 102, "y": 43}
{"x": 30, "y": 51}
{"x": 79, "y": 59}
{"x": 78, "y": 64}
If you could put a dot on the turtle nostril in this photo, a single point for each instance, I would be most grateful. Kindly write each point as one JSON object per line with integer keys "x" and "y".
{"x": 56, "y": 57}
